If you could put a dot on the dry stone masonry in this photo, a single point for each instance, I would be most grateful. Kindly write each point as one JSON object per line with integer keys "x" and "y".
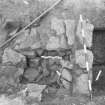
{"x": 47, "y": 56}
{"x": 44, "y": 61}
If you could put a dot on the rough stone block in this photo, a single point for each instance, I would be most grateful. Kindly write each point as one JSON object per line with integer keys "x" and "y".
{"x": 28, "y": 39}
{"x": 80, "y": 58}
{"x": 68, "y": 76}
{"x": 88, "y": 32}
{"x": 31, "y": 74}
{"x": 35, "y": 90}
{"x": 80, "y": 86}
{"x": 70, "y": 29}
{"x": 11, "y": 56}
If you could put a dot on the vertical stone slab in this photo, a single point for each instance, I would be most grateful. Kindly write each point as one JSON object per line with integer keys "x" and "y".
{"x": 70, "y": 29}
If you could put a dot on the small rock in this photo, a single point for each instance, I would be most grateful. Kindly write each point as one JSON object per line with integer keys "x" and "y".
{"x": 31, "y": 74}
{"x": 12, "y": 56}
{"x": 70, "y": 29}
{"x": 57, "y": 25}
{"x": 80, "y": 58}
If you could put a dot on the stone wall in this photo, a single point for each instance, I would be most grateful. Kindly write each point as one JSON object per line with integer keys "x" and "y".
{"x": 52, "y": 44}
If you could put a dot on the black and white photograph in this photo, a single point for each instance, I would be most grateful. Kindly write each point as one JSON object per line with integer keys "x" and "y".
{"x": 52, "y": 52}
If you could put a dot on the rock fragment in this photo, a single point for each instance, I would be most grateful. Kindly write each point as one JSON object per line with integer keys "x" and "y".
{"x": 11, "y": 56}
